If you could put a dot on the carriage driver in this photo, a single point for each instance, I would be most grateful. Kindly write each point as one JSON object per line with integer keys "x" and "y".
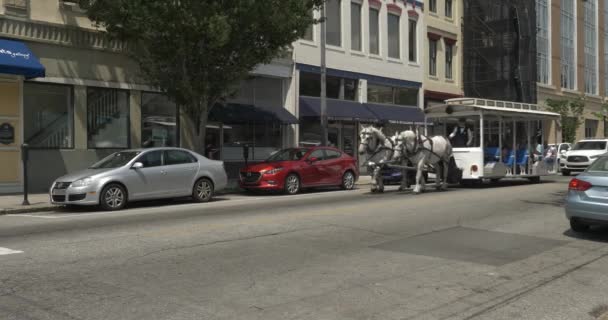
{"x": 462, "y": 136}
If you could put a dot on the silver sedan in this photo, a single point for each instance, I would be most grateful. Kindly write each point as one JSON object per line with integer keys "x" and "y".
{"x": 141, "y": 174}
{"x": 587, "y": 200}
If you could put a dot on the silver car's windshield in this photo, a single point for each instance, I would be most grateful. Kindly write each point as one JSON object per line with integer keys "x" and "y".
{"x": 590, "y": 145}
{"x": 115, "y": 160}
{"x": 599, "y": 165}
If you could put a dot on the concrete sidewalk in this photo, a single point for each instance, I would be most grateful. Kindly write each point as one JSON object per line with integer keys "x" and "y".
{"x": 10, "y": 204}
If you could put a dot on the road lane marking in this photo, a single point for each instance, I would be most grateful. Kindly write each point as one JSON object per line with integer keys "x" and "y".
{"x": 5, "y": 251}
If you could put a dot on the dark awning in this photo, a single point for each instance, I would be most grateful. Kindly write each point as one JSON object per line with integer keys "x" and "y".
{"x": 16, "y": 58}
{"x": 336, "y": 109}
{"x": 241, "y": 113}
{"x": 400, "y": 114}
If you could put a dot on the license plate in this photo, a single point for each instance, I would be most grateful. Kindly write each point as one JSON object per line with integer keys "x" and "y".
{"x": 58, "y": 192}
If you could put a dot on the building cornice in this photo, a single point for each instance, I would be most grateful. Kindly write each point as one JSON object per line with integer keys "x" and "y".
{"x": 58, "y": 34}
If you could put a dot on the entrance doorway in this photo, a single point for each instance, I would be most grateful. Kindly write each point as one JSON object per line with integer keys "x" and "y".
{"x": 343, "y": 136}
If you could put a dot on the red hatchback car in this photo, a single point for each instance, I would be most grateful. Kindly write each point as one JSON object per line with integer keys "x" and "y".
{"x": 290, "y": 170}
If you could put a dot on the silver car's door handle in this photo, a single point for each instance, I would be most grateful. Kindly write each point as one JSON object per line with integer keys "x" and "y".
{"x": 163, "y": 172}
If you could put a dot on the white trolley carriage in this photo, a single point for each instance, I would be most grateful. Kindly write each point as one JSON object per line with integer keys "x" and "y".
{"x": 507, "y": 138}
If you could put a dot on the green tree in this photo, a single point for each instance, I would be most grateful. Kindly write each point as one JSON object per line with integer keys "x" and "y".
{"x": 571, "y": 112}
{"x": 197, "y": 51}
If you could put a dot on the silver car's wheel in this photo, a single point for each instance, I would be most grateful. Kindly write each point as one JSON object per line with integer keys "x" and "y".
{"x": 113, "y": 197}
{"x": 348, "y": 181}
{"x": 203, "y": 190}
{"x": 292, "y": 184}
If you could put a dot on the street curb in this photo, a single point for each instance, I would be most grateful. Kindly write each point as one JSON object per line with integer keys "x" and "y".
{"x": 228, "y": 191}
{"x": 27, "y": 210}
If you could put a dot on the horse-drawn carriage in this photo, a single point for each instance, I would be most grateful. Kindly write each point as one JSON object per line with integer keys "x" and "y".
{"x": 488, "y": 139}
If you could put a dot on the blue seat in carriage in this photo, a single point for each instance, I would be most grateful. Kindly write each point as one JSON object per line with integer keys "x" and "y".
{"x": 522, "y": 157}
{"x": 491, "y": 154}
{"x": 509, "y": 159}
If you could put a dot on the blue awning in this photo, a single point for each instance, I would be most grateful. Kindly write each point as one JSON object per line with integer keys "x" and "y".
{"x": 16, "y": 58}
{"x": 399, "y": 114}
{"x": 240, "y": 113}
{"x": 336, "y": 109}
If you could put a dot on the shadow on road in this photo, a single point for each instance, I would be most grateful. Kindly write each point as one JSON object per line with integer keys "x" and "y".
{"x": 596, "y": 234}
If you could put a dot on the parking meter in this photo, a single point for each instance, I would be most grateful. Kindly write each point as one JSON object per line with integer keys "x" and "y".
{"x": 246, "y": 153}
{"x": 24, "y": 158}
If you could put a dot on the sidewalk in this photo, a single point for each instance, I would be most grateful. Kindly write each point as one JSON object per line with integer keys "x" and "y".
{"x": 13, "y": 203}
{"x": 10, "y": 204}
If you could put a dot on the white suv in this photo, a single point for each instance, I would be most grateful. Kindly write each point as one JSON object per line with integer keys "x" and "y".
{"x": 582, "y": 155}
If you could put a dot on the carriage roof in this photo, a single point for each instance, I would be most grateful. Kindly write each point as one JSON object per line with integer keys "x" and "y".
{"x": 458, "y": 106}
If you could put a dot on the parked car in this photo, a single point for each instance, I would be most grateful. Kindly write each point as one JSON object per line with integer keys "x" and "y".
{"x": 582, "y": 154}
{"x": 562, "y": 149}
{"x": 141, "y": 174}
{"x": 292, "y": 169}
{"x": 587, "y": 199}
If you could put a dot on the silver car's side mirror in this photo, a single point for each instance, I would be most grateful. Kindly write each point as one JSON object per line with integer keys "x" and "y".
{"x": 137, "y": 165}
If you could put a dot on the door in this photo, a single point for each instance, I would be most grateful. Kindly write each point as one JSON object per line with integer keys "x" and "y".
{"x": 180, "y": 169}
{"x": 332, "y": 167}
{"x": 348, "y": 140}
{"x": 310, "y": 173}
{"x": 147, "y": 182}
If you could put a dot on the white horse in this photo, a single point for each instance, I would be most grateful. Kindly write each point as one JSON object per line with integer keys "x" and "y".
{"x": 373, "y": 143}
{"x": 422, "y": 151}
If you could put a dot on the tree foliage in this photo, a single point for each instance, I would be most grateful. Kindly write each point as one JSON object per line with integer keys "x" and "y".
{"x": 571, "y": 112}
{"x": 197, "y": 51}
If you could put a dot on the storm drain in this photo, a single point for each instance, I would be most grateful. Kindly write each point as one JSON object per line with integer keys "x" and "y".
{"x": 472, "y": 245}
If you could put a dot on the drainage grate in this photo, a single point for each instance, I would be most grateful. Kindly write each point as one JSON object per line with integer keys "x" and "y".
{"x": 472, "y": 245}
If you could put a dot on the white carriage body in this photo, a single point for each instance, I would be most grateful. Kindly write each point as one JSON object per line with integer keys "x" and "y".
{"x": 475, "y": 161}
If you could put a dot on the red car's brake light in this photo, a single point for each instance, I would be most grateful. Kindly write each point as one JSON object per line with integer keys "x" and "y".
{"x": 579, "y": 185}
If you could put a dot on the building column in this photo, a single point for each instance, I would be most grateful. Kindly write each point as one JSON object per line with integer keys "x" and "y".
{"x": 135, "y": 118}
{"x": 80, "y": 117}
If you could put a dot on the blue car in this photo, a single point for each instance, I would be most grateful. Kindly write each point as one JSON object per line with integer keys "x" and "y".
{"x": 587, "y": 200}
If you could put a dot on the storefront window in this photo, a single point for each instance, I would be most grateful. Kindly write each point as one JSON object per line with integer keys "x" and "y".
{"x": 337, "y": 88}
{"x": 392, "y": 95}
{"x": 263, "y": 139}
{"x": 158, "y": 121}
{"x": 48, "y": 115}
{"x": 107, "y": 118}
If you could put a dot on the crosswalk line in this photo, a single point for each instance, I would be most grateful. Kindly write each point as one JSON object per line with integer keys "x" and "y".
{"x": 5, "y": 251}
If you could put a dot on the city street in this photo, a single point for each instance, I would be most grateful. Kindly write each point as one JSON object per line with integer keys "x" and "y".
{"x": 495, "y": 252}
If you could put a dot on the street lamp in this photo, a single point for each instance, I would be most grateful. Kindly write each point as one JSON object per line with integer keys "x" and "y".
{"x": 323, "y": 79}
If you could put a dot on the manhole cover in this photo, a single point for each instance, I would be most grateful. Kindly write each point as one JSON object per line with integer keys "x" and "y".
{"x": 473, "y": 245}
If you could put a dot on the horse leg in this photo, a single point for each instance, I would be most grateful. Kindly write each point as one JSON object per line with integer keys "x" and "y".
{"x": 404, "y": 174}
{"x": 444, "y": 183}
{"x": 374, "y": 180}
{"x": 419, "y": 178}
{"x": 438, "y": 174}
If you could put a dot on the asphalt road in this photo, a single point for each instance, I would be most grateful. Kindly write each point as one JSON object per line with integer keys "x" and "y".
{"x": 497, "y": 252}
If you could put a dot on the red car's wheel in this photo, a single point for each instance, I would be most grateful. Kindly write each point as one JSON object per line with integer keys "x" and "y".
{"x": 348, "y": 181}
{"x": 292, "y": 184}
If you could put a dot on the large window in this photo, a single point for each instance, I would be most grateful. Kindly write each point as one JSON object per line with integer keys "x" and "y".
{"x": 591, "y": 127}
{"x": 590, "y": 46}
{"x": 542, "y": 41}
{"x": 374, "y": 31}
{"x": 392, "y": 95}
{"x": 158, "y": 121}
{"x": 337, "y": 88}
{"x": 309, "y": 35}
{"x": 568, "y": 29}
{"x": 412, "y": 47}
{"x": 432, "y": 57}
{"x": 394, "y": 42}
{"x": 107, "y": 118}
{"x": 448, "y": 8}
{"x": 355, "y": 26}
{"x": 449, "y": 53}
{"x": 433, "y": 6}
{"x": 334, "y": 22}
{"x": 48, "y": 115}
{"x": 606, "y": 48}
{"x": 263, "y": 139}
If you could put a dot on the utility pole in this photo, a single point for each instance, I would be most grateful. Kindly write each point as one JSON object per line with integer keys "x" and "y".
{"x": 323, "y": 79}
